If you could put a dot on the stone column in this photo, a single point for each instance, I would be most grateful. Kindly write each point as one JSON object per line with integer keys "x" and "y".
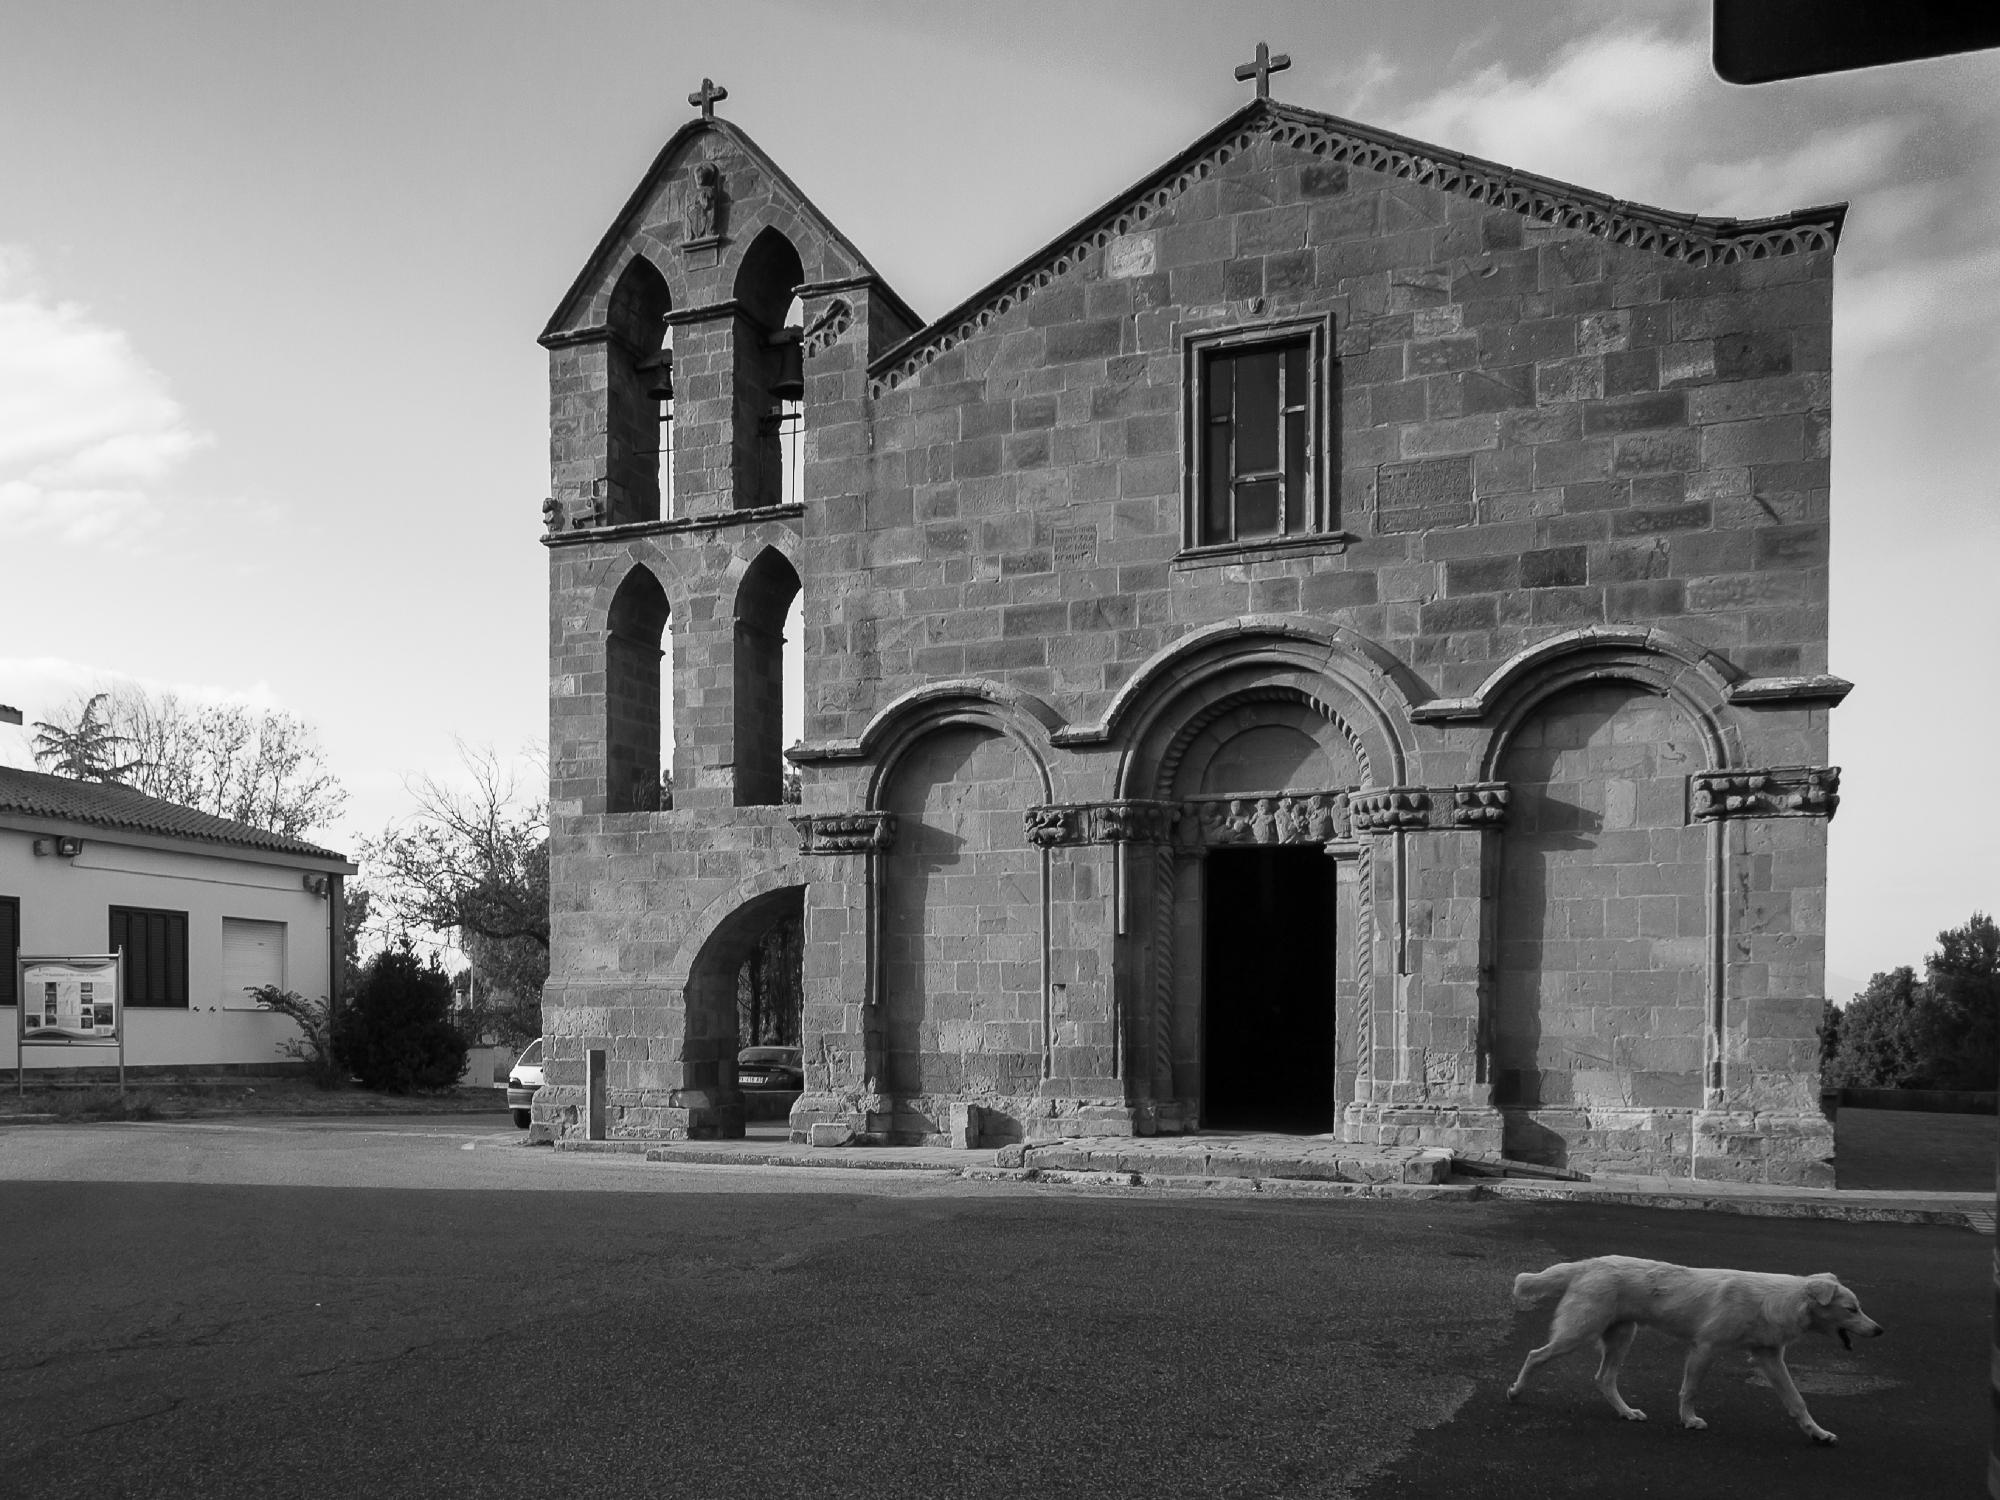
{"x": 705, "y": 340}
{"x": 1434, "y": 863}
{"x": 1760, "y": 1119}
{"x": 840, "y": 1030}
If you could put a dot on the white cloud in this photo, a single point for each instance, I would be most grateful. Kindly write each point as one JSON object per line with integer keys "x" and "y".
{"x": 1832, "y": 165}
{"x": 1590, "y": 118}
{"x": 1901, "y": 305}
{"x": 88, "y": 430}
{"x": 41, "y": 685}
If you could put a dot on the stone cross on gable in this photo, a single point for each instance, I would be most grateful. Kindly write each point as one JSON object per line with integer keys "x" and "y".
{"x": 709, "y": 95}
{"x": 1262, "y": 69}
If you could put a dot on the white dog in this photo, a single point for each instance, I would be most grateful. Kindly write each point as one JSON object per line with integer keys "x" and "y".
{"x": 1611, "y": 1297}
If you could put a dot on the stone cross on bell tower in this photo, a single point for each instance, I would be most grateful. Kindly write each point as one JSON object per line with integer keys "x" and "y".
{"x": 712, "y": 93}
{"x": 1261, "y": 69}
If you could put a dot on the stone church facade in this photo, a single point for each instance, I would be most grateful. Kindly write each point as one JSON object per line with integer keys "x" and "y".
{"x": 1333, "y": 642}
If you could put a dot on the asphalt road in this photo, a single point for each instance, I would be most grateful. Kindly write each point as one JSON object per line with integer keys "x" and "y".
{"x": 391, "y": 1308}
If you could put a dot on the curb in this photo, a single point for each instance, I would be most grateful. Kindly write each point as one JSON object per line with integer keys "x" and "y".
{"x": 1971, "y": 1211}
{"x": 1978, "y": 1218}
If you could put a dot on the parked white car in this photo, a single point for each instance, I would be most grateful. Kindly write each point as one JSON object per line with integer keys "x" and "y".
{"x": 523, "y": 1081}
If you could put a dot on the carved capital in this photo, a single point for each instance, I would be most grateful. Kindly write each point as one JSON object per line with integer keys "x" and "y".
{"x": 1772, "y": 792}
{"x": 1479, "y": 804}
{"x": 845, "y": 833}
{"x": 1123, "y": 822}
{"x": 1053, "y": 826}
{"x": 1391, "y": 809}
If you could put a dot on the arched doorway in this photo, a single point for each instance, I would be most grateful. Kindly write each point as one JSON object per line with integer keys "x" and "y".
{"x": 1254, "y": 954}
{"x": 743, "y": 988}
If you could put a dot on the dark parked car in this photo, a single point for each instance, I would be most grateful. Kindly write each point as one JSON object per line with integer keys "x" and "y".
{"x": 772, "y": 1078}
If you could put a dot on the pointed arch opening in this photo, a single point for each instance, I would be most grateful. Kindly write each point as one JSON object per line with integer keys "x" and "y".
{"x": 638, "y": 396}
{"x": 637, "y": 705}
{"x": 763, "y": 601}
{"x": 770, "y": 383}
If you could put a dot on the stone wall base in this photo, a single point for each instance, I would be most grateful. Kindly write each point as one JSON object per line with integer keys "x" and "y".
{"x": 946, "y": 1120}
{"x": 1636, "y": 1142}
{"x": 1469, "y": 1130}
{"x": 1781, "y": 1147}
{"x": 1792, "y": 1148}
{"x": 561, "y": 1114}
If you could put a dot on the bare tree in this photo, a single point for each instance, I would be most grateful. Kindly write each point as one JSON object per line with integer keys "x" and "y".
{"x": 476, "y": 864}
{"x": 261, "y": 767}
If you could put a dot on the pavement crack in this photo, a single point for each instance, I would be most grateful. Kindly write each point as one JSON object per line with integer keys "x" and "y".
{"x": 174, "y": 1404}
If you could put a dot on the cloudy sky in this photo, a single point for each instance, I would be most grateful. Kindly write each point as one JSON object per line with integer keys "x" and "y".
{"x": 272, "y": 419}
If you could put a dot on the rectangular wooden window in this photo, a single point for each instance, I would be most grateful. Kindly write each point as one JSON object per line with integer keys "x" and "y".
{"x": 1256, "y": 451}
{"x": 10, "y": 948}
{"x": 156, "y": 962}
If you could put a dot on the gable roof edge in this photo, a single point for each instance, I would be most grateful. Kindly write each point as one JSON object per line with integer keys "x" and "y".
{"x": 1693, "y": 238}
{"x": 607, "y": 243}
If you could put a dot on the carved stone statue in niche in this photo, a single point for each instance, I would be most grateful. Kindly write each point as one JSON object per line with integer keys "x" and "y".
{"x": 703, "y": 218}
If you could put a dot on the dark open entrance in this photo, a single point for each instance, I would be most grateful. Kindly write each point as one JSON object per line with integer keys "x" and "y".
{"x": 1268, "y": 1025}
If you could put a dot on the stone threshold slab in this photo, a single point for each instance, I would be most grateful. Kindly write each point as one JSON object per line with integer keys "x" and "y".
{"x": 1263, "y": 1157}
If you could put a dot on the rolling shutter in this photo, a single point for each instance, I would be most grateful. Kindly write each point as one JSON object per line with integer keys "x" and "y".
{"x": 253, "y": 954}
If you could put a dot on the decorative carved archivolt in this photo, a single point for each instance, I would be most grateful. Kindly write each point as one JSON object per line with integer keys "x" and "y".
{"x": 845, "y": 833}
{"x": 1773, "y": 792}
{"x": 1280, "y": 818}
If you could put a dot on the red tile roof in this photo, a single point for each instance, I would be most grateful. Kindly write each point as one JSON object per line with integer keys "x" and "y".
{"x": 108, "y": 805}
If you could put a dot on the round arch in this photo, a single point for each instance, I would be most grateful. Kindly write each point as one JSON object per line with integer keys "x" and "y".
{"x": 1021, "y": 717}
{"x": 1341, "y": 676}
{"x": 1695, "y": 680}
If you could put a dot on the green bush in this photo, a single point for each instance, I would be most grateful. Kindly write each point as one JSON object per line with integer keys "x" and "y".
{"x": 313, "y": 1046}
{"x": 393, "y": 1034}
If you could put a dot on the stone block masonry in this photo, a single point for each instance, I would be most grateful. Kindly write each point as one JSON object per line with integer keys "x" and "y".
{"x": 1321, "y": 489}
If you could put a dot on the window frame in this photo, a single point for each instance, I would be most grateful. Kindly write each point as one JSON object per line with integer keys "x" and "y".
{"x": 10, "y": 951}
{"x": 138, "y": 981}
{"x": 1199, "y": 352}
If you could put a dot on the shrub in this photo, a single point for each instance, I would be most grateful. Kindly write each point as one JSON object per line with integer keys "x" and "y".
{"x": 394, "y": 1034}
{"x": 313, "y": 1046}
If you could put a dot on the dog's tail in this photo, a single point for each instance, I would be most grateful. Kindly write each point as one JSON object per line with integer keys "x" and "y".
{"x": 1531, "y": 1287}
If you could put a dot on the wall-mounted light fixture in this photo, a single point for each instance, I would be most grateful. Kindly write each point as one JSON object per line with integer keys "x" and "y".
{"x": 316, "y": 884}
{"x": 68, "y": 848}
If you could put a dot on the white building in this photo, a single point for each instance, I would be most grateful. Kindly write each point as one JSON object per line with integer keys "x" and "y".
{"x": 203, "y": 908}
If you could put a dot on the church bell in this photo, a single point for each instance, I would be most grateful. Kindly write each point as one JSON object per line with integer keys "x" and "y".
{"x": 789, "y": 384}
{"x": 660, "y": 385}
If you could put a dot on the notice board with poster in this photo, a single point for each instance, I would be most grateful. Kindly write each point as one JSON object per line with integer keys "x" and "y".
{"x": 70, "y": 1000}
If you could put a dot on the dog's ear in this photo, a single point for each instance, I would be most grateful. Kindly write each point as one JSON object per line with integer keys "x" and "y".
{"x": 1823, "y": 1287}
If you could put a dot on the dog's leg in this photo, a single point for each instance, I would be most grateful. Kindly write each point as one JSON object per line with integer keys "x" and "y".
{"x": 1698, "y": 1360}
{"x": 1772, "y": 1363}
{"x": 1570, "y": 1331}
{"x": 1616, "y": 1341}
